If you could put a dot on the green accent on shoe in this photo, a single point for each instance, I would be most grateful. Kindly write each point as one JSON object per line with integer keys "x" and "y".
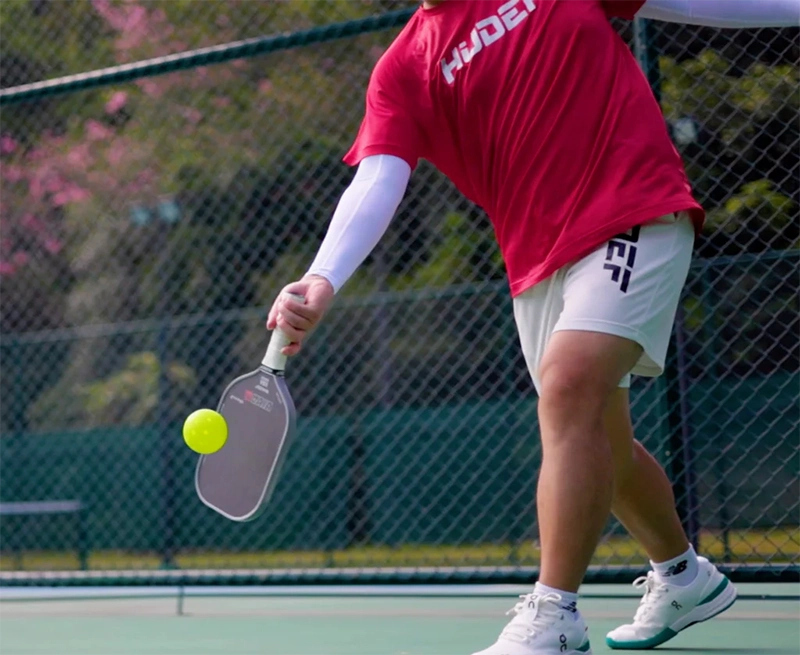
{"x": 585, "y": 648}
{"x": 667, "y": 633}
{"x": 720, "y": 588}
{"x": 656, "y": 640}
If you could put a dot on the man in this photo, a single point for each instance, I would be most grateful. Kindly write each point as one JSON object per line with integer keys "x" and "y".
{"x": 537, "y": 111}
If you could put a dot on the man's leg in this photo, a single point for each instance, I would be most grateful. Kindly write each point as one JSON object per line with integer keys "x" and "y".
{"x": 644, "y": 503}
{"x": 582, "y": 331}
{"x": 643, "y": 499}
{"x": 640, "y": 495}
{"x": 579, "y": 376}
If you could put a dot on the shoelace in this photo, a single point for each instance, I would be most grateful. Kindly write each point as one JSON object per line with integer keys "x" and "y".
{"x": 653, "y": 591}
{"x": 528, "y": 620}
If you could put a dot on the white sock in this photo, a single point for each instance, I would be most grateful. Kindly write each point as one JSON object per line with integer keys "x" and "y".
{"x": 680, "y": 571}
{"x": 569, "y": 600}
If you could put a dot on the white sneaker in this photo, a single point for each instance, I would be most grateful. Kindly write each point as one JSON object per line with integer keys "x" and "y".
{"x": 542, "y": 627}
{"x": 667, "y": 609}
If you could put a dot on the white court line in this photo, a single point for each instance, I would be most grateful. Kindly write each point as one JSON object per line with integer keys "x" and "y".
{"x": 776, "y": 591}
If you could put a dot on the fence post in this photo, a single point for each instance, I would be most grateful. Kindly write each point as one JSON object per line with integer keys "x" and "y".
{"x": 14, "y": 444}
{"x": 714, "y": 372}
{"x": 680, "y": 439}
{"x": 165, "y": 438}
{"x": 647, "y": 54}
{"x": 676, "y": 373}
{"x": 164, "y": 215}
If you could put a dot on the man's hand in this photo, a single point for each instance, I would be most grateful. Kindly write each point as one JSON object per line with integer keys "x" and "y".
{"x": 297, "y": 319}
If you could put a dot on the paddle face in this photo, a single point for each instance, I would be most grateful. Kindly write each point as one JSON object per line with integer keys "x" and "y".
{"x": 238, "y": 480}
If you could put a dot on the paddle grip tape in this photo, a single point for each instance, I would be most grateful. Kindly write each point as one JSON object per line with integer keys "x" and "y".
{"x": 274, "y": 359}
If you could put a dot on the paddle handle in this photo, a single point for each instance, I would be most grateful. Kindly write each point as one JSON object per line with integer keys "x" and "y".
{"x": 274, "y": 359}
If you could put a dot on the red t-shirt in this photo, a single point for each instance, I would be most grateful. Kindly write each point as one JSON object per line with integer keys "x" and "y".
{"x": 538, "y": 113}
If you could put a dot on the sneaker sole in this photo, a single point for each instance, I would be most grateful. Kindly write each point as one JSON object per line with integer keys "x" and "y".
{"x": 712, "y": 605}
{"x": 586, "y": 649}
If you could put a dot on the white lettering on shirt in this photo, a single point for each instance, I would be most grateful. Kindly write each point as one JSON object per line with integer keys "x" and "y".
{"x": 468, "y": 53}
{"x": 511, "y": 15}
{"x": 448, "y": 69}
{"x": 490, "y": 30}
{"x": 486, "y": 32}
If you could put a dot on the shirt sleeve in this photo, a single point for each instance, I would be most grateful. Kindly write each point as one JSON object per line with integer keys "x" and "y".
{"x": 725, "y": 13}
{"x": 389, "y": 127}
{"x": 622, "y": 8}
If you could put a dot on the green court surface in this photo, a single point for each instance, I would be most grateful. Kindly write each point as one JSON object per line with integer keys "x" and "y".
{"x": 367, "y": 621}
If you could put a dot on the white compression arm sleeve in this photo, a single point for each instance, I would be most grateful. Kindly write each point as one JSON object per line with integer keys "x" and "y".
{"x": 724, "y": 13}
{"x": 364, "y": 212}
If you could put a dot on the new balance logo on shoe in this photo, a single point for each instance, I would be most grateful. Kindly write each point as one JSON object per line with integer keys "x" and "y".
{"x": 676, "y": 569}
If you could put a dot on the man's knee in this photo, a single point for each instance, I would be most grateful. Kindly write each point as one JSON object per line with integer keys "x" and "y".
{"x": 567, "y": 388}
{"x": 585, "y": 368}
{"x": 579, "y": 379}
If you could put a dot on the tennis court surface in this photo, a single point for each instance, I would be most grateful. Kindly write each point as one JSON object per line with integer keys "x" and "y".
{"x": 348, "y": 621}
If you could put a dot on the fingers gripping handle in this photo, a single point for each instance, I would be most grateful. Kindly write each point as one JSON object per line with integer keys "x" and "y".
{"x": 274, "y": 359}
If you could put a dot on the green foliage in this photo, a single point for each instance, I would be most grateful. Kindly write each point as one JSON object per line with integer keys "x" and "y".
{"x": 757, "y": 204}
{"x": 250, "y": 152}
{"x": 79, "y": 32}
{"x": 705, "y": 89}
{"x": 748, "y": 136}
{"x": 695, "y": 313}
{"x": 127, "y": 397}
{"x": 452, "y": 257}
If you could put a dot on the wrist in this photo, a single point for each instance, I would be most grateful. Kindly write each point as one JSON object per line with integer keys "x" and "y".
{"x": 322, "y": 278}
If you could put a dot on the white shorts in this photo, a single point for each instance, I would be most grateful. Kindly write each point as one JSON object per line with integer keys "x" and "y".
{"x": 629, "y": 287}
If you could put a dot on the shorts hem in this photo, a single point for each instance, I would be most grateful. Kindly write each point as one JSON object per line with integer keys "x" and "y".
{"x": 648, "y": 369}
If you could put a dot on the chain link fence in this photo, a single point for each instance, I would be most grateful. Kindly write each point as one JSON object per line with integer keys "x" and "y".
{"x": 60, "y": 39}
{"x": 146, "y": 227}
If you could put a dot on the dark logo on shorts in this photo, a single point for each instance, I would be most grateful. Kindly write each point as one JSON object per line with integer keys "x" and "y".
{"x": 621, "y": 255}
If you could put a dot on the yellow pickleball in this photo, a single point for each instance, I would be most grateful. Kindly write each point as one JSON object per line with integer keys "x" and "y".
{"x": 205, "y": 431}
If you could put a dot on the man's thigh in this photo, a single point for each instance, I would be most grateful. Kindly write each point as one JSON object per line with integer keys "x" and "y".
{"x": 536, "y": 312}
{"x": 628, "y": 287}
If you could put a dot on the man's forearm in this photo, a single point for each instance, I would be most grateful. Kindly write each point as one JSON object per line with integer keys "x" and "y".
{"x": 361, "y": 218}
{"x": 725, "y": 13}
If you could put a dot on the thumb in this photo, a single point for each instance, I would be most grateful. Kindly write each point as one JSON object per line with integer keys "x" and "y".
{"x": 299, "y": 288}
